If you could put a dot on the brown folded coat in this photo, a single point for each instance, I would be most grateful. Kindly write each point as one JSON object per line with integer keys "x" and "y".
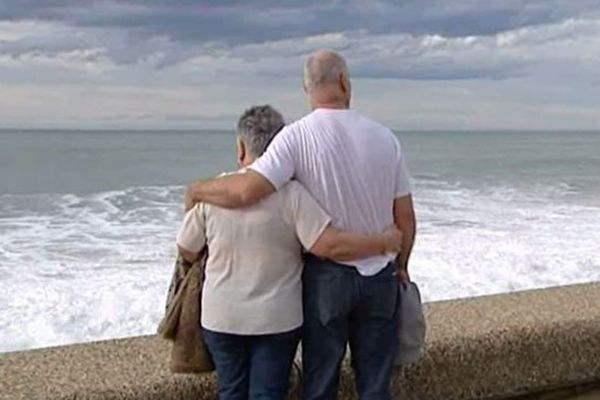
{"x": 181, "y": 323}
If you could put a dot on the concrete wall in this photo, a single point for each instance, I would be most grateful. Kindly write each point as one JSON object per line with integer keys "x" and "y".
{"x": 487, "y": 347}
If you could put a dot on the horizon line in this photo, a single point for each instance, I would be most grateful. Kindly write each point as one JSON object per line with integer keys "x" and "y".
{"x": 90, "y": 129}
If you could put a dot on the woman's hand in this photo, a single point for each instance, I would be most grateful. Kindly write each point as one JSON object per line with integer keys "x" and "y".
{"x": 392, "y": 238}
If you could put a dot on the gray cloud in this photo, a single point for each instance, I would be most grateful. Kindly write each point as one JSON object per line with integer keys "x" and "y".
{"x": 169, "y": 32}
{"x": 231, "y": 46}
{"x": 236, "y": 22}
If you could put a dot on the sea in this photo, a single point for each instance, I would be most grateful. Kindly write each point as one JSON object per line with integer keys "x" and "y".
{"x": 88, "y": 220}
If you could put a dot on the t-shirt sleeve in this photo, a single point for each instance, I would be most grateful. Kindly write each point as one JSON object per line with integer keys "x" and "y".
{"x": 402, "y": 186}
{"x": 192, "y": 236}
{"x": 306, "y": 215}
{"x": 278, "y": 163}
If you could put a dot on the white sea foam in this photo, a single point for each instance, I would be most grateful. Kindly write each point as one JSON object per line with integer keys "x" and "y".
{"x": 80, "y": 268}
{"x": 84, "y": 268}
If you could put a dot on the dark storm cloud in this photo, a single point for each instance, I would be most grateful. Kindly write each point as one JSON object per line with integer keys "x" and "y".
{"x": 170, "y": 32}
{"x": 239, "y": 22}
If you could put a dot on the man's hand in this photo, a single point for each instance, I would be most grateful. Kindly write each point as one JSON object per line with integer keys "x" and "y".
{"x": 393, "y": 239}
{"x": 188, "y": 199}
{"x": 402, "y": 274}
{"x": 229, "y": 191}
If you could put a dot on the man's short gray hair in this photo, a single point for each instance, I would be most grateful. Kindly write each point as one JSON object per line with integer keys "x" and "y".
{"x": 324, "y": 67}
{"x": 258, "y": 126}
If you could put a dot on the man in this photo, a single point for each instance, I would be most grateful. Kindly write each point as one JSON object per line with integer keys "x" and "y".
{"x": 252, "y": 294}
{"x": 355, "y": 169}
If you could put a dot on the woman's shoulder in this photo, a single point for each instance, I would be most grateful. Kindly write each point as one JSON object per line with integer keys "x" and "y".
{"x": 295, "y": 193}
{"x": 293, "y": 187}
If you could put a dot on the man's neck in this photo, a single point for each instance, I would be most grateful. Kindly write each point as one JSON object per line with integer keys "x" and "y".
{"x": 332, "y": 105}
{"x": 247, "y": 162}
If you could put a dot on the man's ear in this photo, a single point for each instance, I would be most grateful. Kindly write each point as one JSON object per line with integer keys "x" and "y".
{"x": 241, "y": 151}
{"x": 344, "y": 84}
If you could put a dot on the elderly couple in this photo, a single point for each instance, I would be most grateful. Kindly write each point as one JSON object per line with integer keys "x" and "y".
{"x": 307, "y": 241}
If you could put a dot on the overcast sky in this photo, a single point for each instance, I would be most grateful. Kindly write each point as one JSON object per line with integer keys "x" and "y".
{"x": 416, "y": 64}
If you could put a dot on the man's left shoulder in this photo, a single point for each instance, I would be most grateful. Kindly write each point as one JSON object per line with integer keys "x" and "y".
{"x": 376, "y": 125}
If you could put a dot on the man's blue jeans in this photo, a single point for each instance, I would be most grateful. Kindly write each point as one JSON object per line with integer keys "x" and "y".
{"x": 340, "y": 307}
{"x": 252, "y": 366}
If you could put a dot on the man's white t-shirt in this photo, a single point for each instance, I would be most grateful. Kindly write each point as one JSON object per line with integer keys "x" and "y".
{"x": 352, "y": 165}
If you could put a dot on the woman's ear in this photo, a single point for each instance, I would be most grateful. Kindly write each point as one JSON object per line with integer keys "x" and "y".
{"x": 241, "y": 151}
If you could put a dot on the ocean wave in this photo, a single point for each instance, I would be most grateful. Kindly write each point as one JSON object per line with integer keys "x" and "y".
{"x": 87, "y": 267}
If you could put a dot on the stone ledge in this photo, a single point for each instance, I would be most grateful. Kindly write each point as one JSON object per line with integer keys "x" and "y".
{"x": 489, "y": 347}
{"x": 581, "y": 392}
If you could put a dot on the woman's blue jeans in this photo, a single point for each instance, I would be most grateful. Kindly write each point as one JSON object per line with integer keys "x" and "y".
{"x": 252, "y": 366}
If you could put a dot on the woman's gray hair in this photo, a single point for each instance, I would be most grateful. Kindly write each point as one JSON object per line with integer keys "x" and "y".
{"x": 257, "y": 126}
